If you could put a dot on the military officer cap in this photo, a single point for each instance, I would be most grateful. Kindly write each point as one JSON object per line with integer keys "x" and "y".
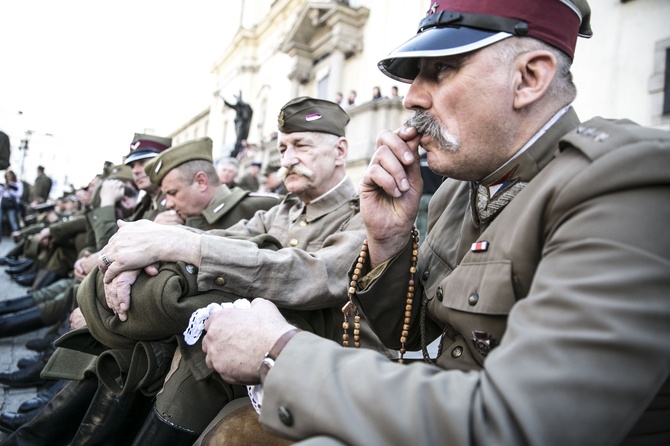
{"x": 460, "y": 26}
{"x": 146, "y": 146}
{"x": 305, "y": 114}
{"x": 197, "y": 149}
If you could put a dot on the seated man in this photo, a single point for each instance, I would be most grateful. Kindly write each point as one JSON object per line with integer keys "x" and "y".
{"x": 545, "y": 271}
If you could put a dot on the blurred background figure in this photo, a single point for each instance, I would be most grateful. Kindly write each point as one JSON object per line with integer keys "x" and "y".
{"x": 12, "y": 202}
{"x": 227, "y": 169}
{"x": 42, "y": 186}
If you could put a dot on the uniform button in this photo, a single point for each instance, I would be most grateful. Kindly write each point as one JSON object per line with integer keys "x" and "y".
{"x": 426, "y": 275}
{"x": 285, "y": 416}
{"x": 473, "y": 299}
{"x": 293, "y": 243}
{"x": 457, "y": 352}
{"x": 191, "y": 269}
{"x": 220, "y": 281}
{"x": 439, "y": 294}
{"x": 303, "y": 223}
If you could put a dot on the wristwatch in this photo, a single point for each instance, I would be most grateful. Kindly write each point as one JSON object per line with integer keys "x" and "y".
{"x": 269, "y": 359}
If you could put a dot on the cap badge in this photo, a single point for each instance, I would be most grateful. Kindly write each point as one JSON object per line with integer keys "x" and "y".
{"x": 158, "y": 166}
{"x": 280, "y": 119}
{"x": 135, "y": 145}
{"x": 312, "y": 117}
{"x": 433, "y": 9}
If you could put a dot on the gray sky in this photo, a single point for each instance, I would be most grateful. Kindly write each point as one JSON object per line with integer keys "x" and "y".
{"x": 94, "y": 73}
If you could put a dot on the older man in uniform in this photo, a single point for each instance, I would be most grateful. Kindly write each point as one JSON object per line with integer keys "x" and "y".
{"x": 544, "y": 271}
{"x": 318, "y": 225}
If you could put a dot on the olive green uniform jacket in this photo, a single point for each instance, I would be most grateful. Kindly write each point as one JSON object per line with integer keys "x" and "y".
{"x": 226, "y": 208}
{"x": 555, "y": 331}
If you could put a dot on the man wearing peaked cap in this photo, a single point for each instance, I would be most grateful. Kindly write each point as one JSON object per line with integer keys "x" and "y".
{"x": 146, "y": 146}
{"x": 536, "y": 242}
{"x": 143, "y": 149}
{"x": 318, "y": 226}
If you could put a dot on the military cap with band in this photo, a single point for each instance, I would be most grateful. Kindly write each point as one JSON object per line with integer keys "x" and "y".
{"x": 197, "y": 149}
{"x": 146, "y": 146}
{"x": 306, "y": 114}
{"x": 460, "y": 26}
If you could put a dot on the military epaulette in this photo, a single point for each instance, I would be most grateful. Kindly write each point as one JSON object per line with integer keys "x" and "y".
{"x": 599, "y": 136}
{"x": 266, "y": 195}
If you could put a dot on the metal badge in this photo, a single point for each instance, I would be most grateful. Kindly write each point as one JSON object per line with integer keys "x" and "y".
{"x": 483, "y": 342}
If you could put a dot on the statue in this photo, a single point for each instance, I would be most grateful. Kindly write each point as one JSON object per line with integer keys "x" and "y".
{"x": 242, "y": 122}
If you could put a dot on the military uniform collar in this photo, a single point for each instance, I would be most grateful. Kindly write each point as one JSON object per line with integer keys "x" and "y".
{"x": 492, "y": 194}
{"x": 218, "y": 206}
{"x": 325, "y": 204}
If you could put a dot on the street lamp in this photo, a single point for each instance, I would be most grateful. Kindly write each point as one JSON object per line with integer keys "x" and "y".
{"x": 25, "y": 143}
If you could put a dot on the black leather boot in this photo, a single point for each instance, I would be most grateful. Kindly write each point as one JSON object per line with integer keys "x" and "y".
{"x": 42, "y": 398}
{"x": 16, "y": 304}
{"x": 111, "y": 419}
{"x": 20, "y": 267}
{"x": 158, "y": 430}
{"x": 11, "y": 421}
{"x": 45, "y": 279}
{"x": 25, "y": 279}
{"x": 27, "y": 361}
{"x": 21, "y": 322}
{"x": 57, "y": 422}
{"x": 28, "y": 377}
{"x": 43, "y": 343}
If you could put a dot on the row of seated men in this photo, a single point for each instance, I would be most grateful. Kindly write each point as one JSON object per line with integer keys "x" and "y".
{"x": 124, "y": 377}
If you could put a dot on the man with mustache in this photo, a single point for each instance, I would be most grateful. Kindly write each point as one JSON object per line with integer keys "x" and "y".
{"x": 318, "y": 225}
{"x": 544, "y": 272}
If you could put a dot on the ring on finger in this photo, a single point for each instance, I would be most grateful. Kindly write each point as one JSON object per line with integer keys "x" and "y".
{"x": 105, "y": 260}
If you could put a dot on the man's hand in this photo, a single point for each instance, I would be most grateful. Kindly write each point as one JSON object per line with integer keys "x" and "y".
{"x": 77, "y": 319}
{"x": 84, "y": 265}
{"x": 390, "y": 192}
{"x": 237, "y": 339}
{"x": 170, "y": 217}
{"x": 117, "y": 292}
{"x": 141, "y": 244}
{"x": 111, "y": 191}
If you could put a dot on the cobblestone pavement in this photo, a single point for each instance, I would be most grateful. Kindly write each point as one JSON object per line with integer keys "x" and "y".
{"x": 14, "y": 348}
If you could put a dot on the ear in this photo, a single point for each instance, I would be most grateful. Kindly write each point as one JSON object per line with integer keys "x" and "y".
{"x": 342, "y": 147}
{"x": 201, "y": 179}
{"x": 534, "y": 72}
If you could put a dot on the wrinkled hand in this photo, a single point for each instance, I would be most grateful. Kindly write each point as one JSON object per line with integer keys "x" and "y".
{"x": 141, "y": 244}
{"x": 117, "y": 292}
{"x": 237, "y": 339}
{"x": 390, "y": 192}
{"x": 169, "y": 218}
{"x": 84, "y": 265}
{"x": 77, "y": 319}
